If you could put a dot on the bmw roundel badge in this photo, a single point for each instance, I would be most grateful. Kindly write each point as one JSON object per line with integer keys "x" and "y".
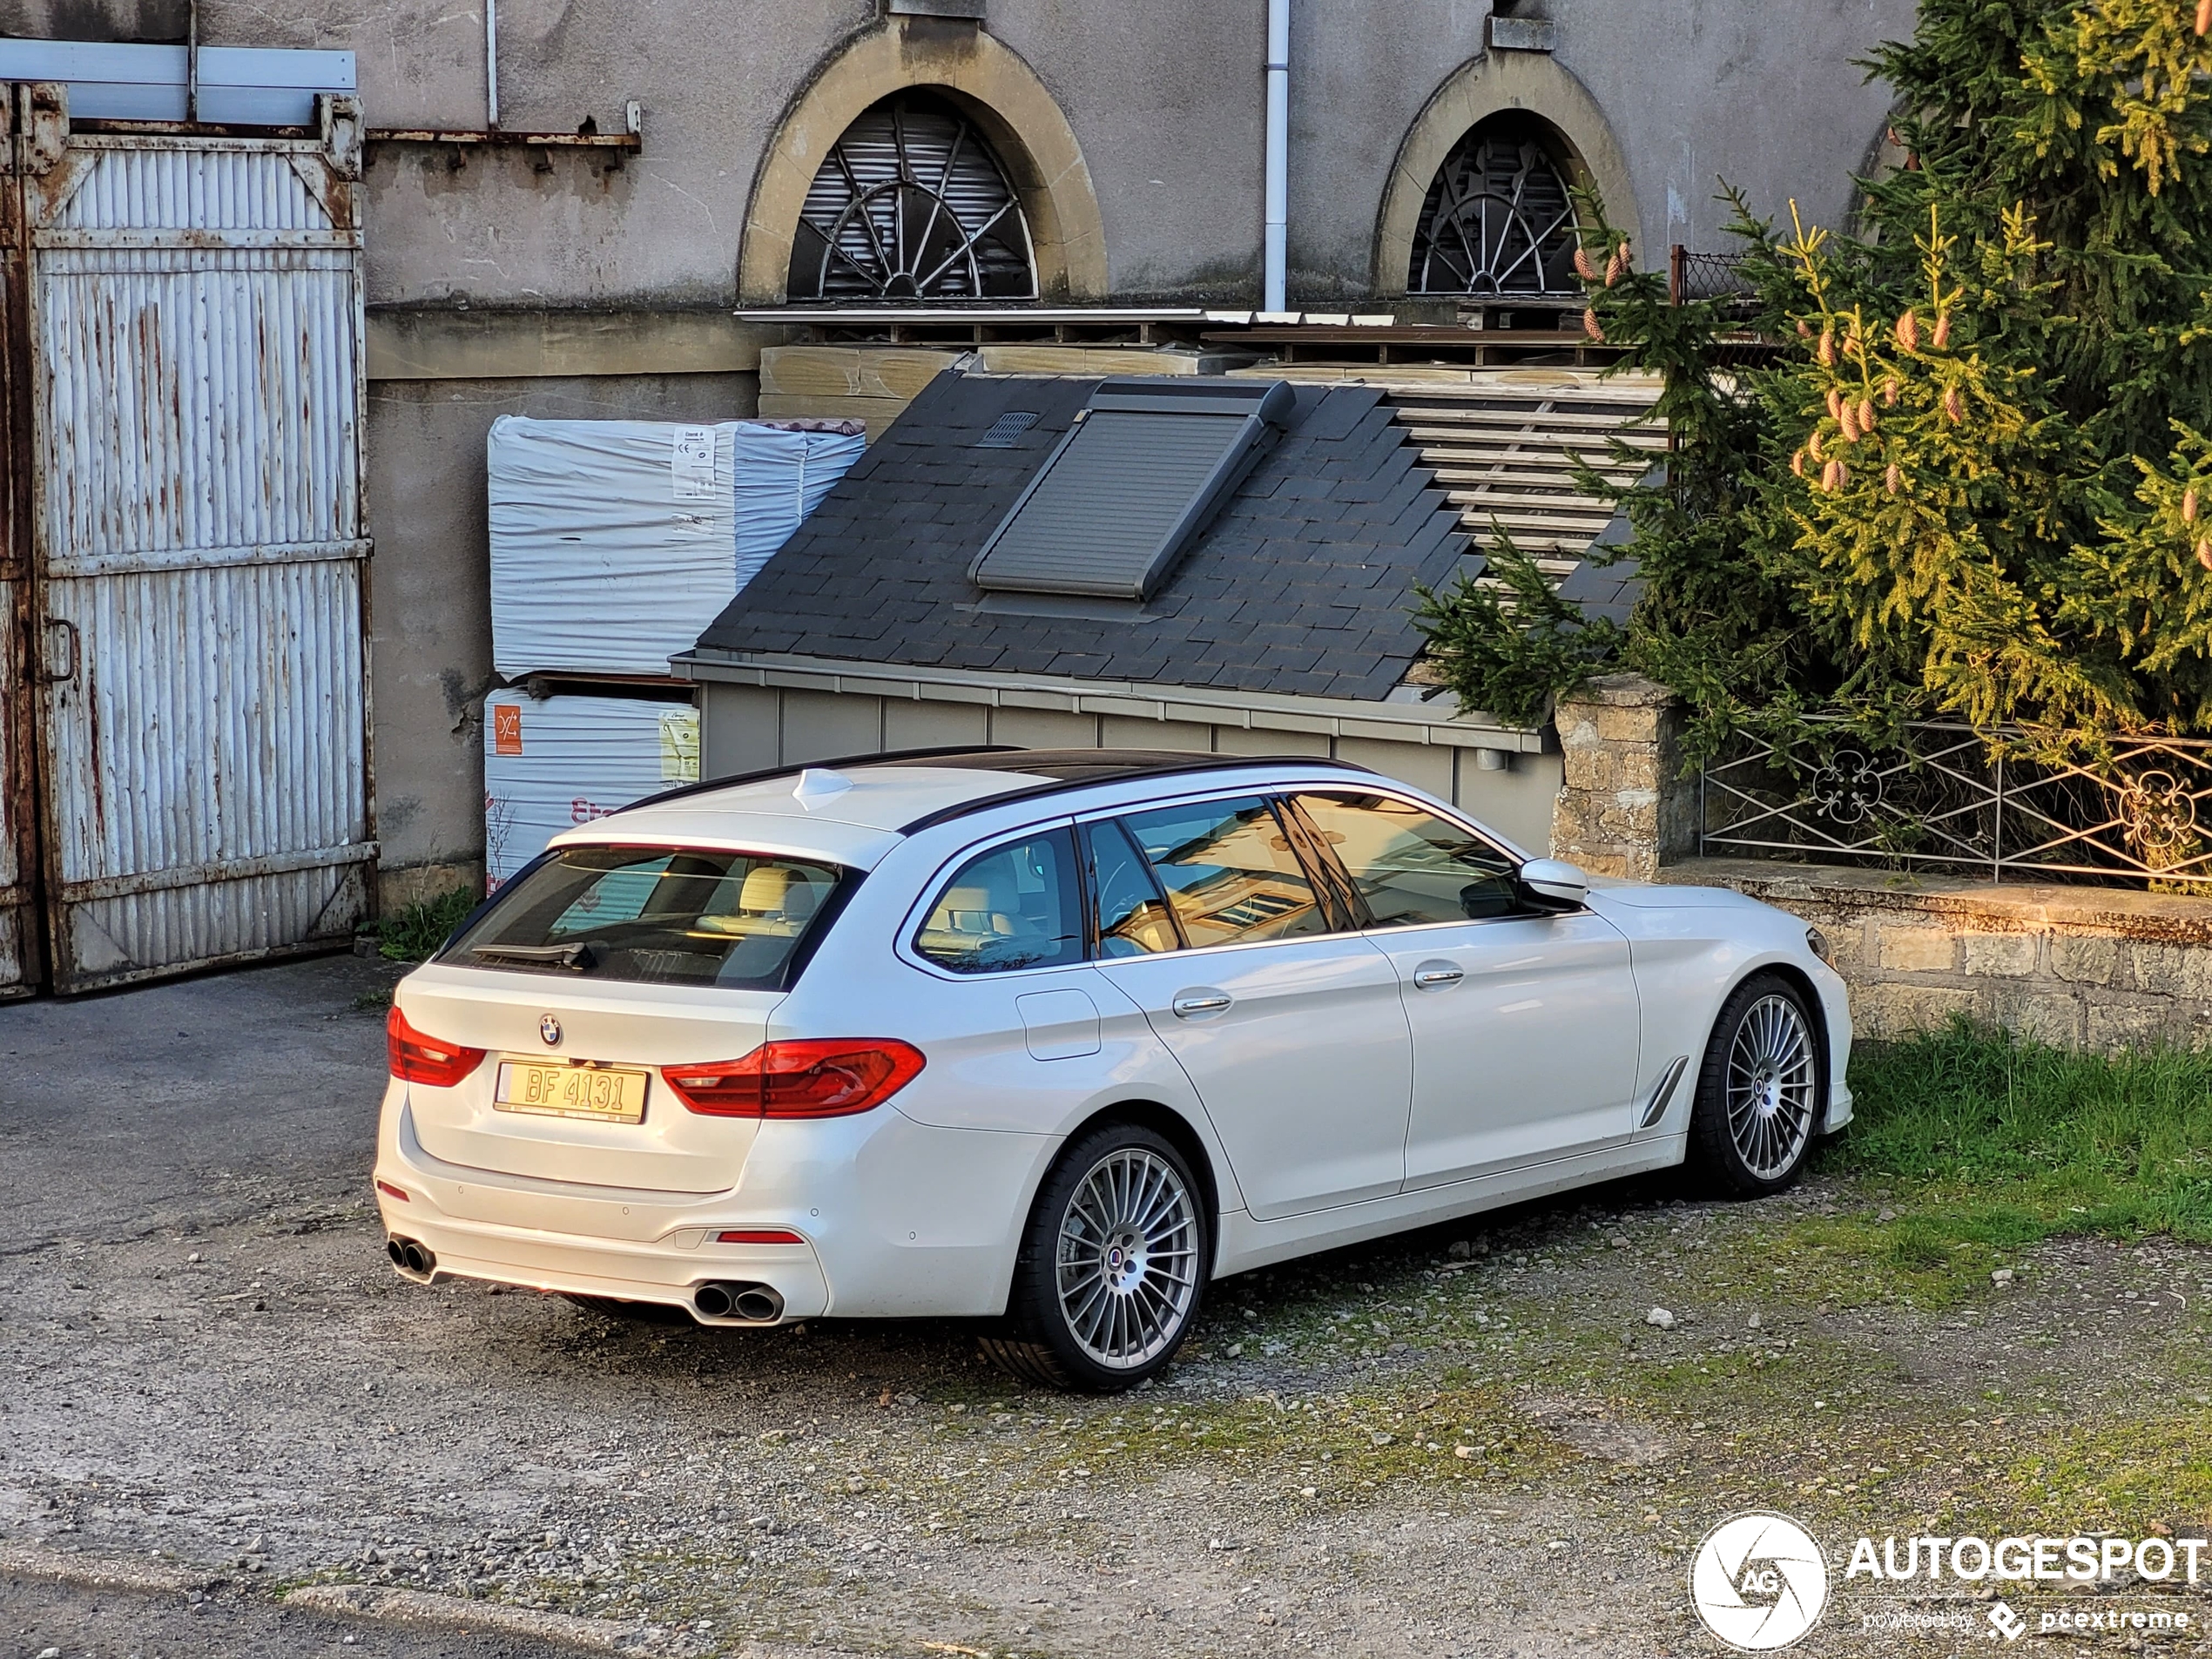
{"x": 550, "y": 1028}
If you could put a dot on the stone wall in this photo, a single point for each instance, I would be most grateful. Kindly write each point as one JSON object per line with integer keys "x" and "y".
{"x": 2081, "y": 967}
{"x": 1620, "y": 811}
{"x": 2093, "y": 968}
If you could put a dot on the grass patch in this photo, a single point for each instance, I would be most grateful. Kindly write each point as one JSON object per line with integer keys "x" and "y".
{"x": 411, "y": 933}
{"x": 1998, "y": 1142}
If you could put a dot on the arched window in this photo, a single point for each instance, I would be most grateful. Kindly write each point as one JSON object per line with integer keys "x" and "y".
{"x": 1498, "y": 219}
{"x": 910, "y": 204}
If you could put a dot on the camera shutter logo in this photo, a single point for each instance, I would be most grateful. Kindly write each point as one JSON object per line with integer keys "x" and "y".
{"x": 1758, "y": 1581}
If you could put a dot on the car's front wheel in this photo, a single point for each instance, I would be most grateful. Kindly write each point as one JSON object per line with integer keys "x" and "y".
{"x": 1760, "y": 1091}
{"x": 1113, "y": 1265}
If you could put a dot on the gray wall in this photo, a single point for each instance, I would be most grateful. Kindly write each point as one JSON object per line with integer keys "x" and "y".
{"x": 1758, "y": 92}
{"x": 430, "y": 592}
{"x": 748, "y": 728}
{"x": 1165, "y": 96}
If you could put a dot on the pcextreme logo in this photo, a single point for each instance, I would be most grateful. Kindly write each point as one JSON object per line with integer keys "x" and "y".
{"x": 1758, "y": 1581}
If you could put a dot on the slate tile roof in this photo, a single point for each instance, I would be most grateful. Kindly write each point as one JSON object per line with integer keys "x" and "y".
{"x": 1303, "y": 584}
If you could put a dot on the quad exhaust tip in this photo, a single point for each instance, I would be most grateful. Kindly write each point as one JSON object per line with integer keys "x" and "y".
{"x": 755, "y": 1304}
{"x": 410, "y": 1257}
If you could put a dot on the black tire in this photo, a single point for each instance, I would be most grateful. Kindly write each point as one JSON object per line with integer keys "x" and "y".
{"x": 636, "y": 1312}
{"x": 1099, "y": 1310}
{"x": 1761, "y": 1091}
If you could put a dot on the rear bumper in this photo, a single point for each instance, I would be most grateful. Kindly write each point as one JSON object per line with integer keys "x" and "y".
{"x": 898, "y": 1220}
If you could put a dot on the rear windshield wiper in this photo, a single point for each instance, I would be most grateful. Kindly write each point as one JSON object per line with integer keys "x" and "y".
{"x": 577, "y": 956}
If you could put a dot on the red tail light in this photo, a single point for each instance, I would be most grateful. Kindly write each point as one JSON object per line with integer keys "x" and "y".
{"x": 758, "y": 1236}
{"x": 420, "y": 1059}
{"x": 821, "y": 1077}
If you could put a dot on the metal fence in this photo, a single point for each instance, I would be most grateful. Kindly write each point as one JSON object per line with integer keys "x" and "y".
{"x": 1965, "y": 801}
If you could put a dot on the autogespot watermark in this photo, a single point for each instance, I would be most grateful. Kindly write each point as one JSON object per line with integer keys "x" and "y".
{"x": 1759, "y": 1581}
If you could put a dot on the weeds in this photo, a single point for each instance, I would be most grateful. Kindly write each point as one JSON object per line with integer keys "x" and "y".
{"x": 411, "y": 934}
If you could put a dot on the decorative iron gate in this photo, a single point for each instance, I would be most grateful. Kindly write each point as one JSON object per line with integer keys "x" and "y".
{"x": 1951, "y": 798}
{"x": 190, "y": 342}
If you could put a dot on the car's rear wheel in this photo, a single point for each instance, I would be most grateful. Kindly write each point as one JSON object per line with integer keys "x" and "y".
{"x": 1113, "y": 1265}
{"x": 1760, "y": 1091}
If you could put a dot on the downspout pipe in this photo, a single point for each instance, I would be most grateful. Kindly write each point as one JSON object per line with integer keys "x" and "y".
{"x": 491, "y": 65}
{"x": 1278, "y": 214}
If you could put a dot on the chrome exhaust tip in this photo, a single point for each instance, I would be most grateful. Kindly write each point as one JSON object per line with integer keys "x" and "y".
{"x": 754, "y": 1304}
{"x": 411, "y": 1259}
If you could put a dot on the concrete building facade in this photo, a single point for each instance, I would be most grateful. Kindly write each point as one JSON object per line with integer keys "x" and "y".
{"x": 602, "y": 281}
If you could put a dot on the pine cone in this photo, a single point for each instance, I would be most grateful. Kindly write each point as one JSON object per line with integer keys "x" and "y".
{"x": 1826, "y": 350}
{"x": 2204, "y": 17}
{"x": 1908, "y": 332}
{"x": 1942, "y": 330}
{"x": 1831, "y": 477}
{"x": 1889, "y": 393}
{"x": 1805, "y": 329}
{"x": 1583, "y": 268}
{"x": 1848, "y": 419}
{"x": 1835, "y": 404}
{"x": 2188, "y": 505}
{"x": 1866, "y": 415}
{"x": 2204, "y": 552}
{"x": 1617, "y": 265}
{"x": 1954, "y": 407}
{"x": 1896, "y": 478}
{"x": 1812, "y": 448}
{"x": 1590, "y": 323}
{"x": 1798, "y": 463}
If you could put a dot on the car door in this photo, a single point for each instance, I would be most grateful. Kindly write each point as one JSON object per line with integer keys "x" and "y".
{"x": 1289, "y": 1027}
{"x": 1525, "y": 1023}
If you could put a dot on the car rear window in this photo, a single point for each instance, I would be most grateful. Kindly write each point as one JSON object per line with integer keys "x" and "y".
{"x": 674, "y": 915}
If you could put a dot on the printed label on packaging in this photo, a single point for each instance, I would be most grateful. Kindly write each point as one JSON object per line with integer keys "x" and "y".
{"x": 691, "y": 463}
{"x": 680, "y": 746}
{"x": 507, "y": 728}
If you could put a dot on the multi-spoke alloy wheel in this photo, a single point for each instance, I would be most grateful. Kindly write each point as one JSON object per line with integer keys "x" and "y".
{"x": 1113, "y": 1264}
{"x": 1759, "y": 1093}
{"x": 1771, "y": 1087}
{"x": 1128, "y": 1258}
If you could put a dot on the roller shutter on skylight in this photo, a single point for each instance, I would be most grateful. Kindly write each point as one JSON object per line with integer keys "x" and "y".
{"x": 1136, "y": 479}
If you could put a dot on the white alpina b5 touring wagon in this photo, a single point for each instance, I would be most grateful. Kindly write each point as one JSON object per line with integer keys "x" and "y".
{"x": 1055, "y": 1038}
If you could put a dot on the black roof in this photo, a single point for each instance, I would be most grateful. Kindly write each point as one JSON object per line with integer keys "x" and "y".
{"x": 1303, "y": 584}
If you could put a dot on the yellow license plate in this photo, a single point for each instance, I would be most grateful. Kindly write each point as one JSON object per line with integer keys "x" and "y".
{"x": 603, "y": 1092}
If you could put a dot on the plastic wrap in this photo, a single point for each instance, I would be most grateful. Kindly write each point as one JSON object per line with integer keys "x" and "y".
{"x": 613, "y": 542}
{"x": 555, "y": 762}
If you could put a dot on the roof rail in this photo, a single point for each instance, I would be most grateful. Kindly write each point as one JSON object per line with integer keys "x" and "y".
{"x": 736, "y": 778}
{"x": 1061, "y": 786}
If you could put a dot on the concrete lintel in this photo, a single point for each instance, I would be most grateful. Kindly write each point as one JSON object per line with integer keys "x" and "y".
{"x": 407, "y": 344}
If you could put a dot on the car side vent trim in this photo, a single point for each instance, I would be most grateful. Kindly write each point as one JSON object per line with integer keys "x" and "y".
{"x": 1136, "y": 480}
{"x": 1663, "y": 1091}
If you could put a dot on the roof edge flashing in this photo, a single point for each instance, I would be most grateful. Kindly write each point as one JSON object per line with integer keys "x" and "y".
{"x": 1136, "y": 568}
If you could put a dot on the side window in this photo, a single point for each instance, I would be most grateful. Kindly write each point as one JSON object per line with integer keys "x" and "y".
{"x": 1410, "y": 866}
{"x": 1229, "y": 872}
{"x": 1132, "y": 919}
{"x": 1013, "y": 906}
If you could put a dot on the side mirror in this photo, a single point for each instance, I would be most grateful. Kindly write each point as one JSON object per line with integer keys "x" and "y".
{"x": 1555, "y": 883}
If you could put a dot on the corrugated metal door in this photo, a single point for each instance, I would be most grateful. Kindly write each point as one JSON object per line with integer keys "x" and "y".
{"x": 195, "y": 341}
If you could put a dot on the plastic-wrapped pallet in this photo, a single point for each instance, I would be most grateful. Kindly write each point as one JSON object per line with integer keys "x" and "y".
{"x": 555, "y": 762}
{"x": 613, "y": 542}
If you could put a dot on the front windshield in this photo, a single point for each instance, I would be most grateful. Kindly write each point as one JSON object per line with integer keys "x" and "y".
{"x": 674, "y": 915}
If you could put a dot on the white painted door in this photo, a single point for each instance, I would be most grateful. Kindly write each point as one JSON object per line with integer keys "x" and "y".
{"x": 195, "y": 343}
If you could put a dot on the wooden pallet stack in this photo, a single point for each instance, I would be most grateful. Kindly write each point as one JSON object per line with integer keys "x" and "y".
{"x": 1504, "y": 448}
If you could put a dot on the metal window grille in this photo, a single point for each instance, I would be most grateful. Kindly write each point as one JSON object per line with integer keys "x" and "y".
{"x": 1951, "y": 798}
{"x": 1498, "y": 220}
{"x": 911, "y": 203}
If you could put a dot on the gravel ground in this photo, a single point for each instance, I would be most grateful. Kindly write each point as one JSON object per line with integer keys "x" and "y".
{"x": 1470, "y": 1440}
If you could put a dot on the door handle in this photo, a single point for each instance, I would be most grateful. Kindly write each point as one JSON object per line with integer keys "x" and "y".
{"x": 62, "y": 625}
{"x": 1437, "y": 977}
{"x": 1192, "y": 1003}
